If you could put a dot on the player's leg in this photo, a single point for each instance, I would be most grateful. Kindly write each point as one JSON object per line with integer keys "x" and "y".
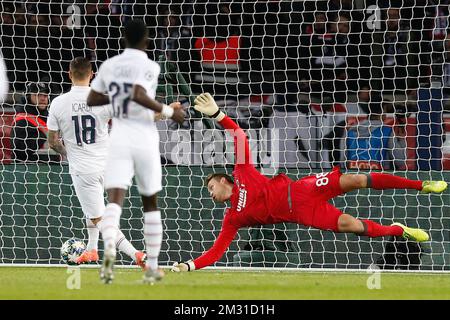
{"x": 320, "y": 188}
{"x": 109, "y": 224}
{"x": 93, "y": 234}
{"x": 382, "y": 181}
{"x": 91, "y": 252}
{"x": 350, "y": 182}
{"x": 92, "y": 203}
{"x": 152, "y": 230}
{"x": 118, "y": 178}
{"x": 349, "y": 224}
{"x": 89, "y": 190}
{"x": 328, "y": 217}
{"x": 117, "y": 197}
{"x": 153, "y": 233}
{"x": 109, "y": 228}
{"x": 369, "y": 228}
{"x": 149, "y": 183}
{"x": 126, "y": 247}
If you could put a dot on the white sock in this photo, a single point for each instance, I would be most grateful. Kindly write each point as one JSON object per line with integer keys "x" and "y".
{"x": 153, "y": 237}
{"x": 93, "y": 235}
{"x": 125, "y": 246}
{"x": 109, "y": 225}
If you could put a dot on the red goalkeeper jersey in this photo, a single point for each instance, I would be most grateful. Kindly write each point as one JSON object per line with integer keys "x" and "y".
{"x": 256, "y": 199}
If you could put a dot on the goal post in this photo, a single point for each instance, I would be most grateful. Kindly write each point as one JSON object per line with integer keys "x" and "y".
{"x": 300, "y": 77}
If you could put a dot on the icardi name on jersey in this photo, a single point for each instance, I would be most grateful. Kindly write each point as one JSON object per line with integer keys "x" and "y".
{"x": 80, "y": 107}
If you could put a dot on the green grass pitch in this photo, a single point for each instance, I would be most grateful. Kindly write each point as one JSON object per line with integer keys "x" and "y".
{"x": 50, "y": 283}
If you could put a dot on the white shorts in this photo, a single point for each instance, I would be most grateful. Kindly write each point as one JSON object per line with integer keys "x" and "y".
{"x": 141, "y": 160}
{"x": 90, "y": 193}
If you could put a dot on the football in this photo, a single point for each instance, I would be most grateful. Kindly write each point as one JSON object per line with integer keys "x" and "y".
{"x": 71, "y": 250}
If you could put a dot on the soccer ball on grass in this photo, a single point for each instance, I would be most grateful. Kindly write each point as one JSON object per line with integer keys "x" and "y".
{"x": 71, "y": 250}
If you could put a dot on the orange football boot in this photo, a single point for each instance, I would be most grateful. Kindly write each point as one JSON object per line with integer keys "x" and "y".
{"x": 88, "y": 256}
{"x": 141, "y": 259}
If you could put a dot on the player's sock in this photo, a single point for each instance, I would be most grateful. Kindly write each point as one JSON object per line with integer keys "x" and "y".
{"x": 153, "y": 237}
{"x": 381, "y": 181}
{"x": 125, "y": 246}
{"x": 93, "y": 235}
{"x": 109, "y": 225}
{"x": 373, "y": 229}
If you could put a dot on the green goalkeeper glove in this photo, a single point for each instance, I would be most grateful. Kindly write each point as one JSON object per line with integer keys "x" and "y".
{"x": 205, "y": 104}
{"x": 183, "y": 266}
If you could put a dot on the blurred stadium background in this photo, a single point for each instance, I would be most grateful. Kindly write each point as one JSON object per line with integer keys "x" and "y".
{"x": 299, "y": 75}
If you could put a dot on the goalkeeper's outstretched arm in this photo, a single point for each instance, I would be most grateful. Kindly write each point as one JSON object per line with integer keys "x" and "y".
{"x": 205, "y": 104}
{"x": 221, "y": 244}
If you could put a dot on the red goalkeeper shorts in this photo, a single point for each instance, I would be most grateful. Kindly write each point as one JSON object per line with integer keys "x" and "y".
{"x": 310, "y": 197}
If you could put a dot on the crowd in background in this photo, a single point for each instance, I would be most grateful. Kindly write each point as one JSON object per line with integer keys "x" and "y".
{"x": 325, "y": 48}
{"x": 329, "y": 51}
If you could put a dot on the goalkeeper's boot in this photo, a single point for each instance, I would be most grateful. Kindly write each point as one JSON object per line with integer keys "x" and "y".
{"x": 433, "y": 186}
{"x": 151, "y": 276}
{"x": 413, "y": 234}
{"x": 106, "y": 272}
{"x": 141, "y": 259}
{"x": 88, "y": 256}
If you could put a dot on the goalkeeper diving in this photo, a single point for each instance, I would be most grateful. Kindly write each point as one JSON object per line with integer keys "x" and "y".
{"x": 258, "y": 200}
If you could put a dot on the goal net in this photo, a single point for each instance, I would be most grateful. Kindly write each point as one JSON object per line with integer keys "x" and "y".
{"x": 361, "y": 84}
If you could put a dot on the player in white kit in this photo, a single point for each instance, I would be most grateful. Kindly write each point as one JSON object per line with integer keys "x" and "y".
{"x": 129, "y": 81}
{"x": 84, "y": 131}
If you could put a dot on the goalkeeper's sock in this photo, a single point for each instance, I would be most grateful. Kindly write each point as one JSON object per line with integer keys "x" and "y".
{"x": 109, "y": 225}
{"x": 93, "y": 235}
{"x": 153, "y": 237}
{"x": 381, "y": 181}
{"x": 373, "y": 229}
{"x": 125, "y": 246}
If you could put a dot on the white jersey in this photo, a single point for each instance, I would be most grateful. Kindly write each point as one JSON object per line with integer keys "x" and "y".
{"x": 134, "y": 148}
{"x": 84, "y": 130}
{"x": 117, "y": 76}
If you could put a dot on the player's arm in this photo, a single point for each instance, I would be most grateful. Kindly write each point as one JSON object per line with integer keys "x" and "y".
{"x": 221, "y": 244}
{"x": 205, "y": 104}
{"x": 53, "y": 138}
{"x": 96, "y": 99}
{"x": 140, "y": 96}
{"x": 97, "y": 96}
{"x": 54, "y": 142}
{"x": 159, "y": 116}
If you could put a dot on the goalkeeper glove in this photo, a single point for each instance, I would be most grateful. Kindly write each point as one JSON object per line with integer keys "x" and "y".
{"x": 205, "y": 104}
{"x": 183, "y": 266}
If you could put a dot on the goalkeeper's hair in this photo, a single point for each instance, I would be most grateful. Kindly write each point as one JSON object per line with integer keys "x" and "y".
{"x": 80, "y": 68}
{"x": 218, "y": 176}
{"x": 134, "y": 32}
